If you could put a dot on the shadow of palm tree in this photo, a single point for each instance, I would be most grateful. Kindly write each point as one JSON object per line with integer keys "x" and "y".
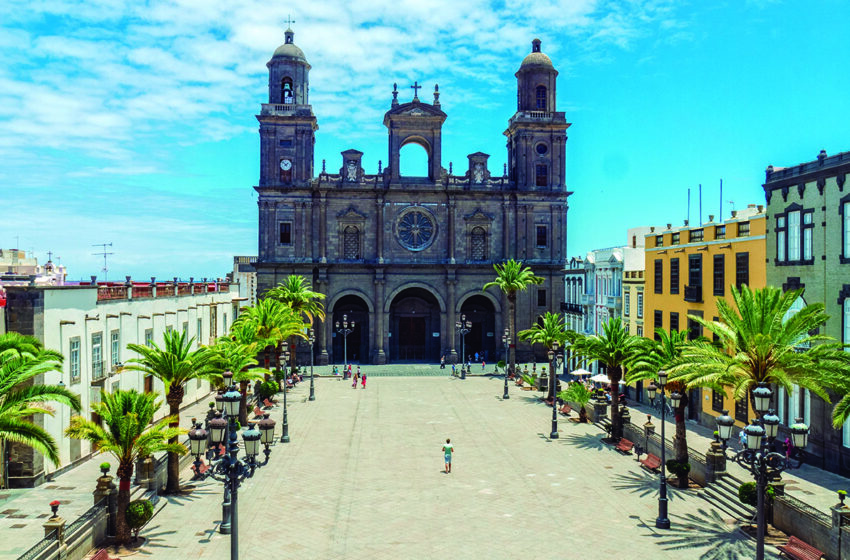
{"x": 192, "y": 491}
{"x": 151, "y": 538}
{"x": 642, "y": 483}
{"x": 585, "y": 441}
{"x": 721, "y": 540}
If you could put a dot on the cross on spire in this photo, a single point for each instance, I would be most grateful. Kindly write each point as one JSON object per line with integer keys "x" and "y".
{"x": 416, "y": 87}
{"x": 289, "y": 20}
{"x": 49, "y": 256}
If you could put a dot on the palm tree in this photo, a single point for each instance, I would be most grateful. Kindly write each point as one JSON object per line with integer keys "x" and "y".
{"x": 22, "y": 359}
{"x": 512, "y": 277}
{"x": 231, "y": 354}
{"x": 299, "y": 296}
{"x": 614, "y": 348}
{"x": 577, "y": 393}
{"x": 127, "y": 433}
{"x": 271, "y": 321}
{"x": 758, "y": 341}
{"x": 662, "y": 354}
{"x": 175, "y": 364}
{"x": 548, "y": 332}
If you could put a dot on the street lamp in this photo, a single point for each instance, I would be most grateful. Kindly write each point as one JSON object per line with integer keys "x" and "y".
{"x": 344, "y": 331}
{"x": 311, "y": 337}
{"x": 229, "y": 469}
{"x": 555, "y": 361}
{"x": 506, "y": 339}
{"x": 463, "y": 327}
{"x": 757, "y": 458}
{"x": 284, "y": 437}
{"x": 663, "y": 522}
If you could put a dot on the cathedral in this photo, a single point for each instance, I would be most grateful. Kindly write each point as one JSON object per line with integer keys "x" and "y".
{"x": 402, "y": 259}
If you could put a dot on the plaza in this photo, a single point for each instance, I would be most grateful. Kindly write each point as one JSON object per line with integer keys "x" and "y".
{"x": 363, "y": 478}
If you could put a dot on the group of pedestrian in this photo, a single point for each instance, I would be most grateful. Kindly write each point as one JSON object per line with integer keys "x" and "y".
{"x": 357, "y": 376}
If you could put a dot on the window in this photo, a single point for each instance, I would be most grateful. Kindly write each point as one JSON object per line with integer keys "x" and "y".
{"x": 659, "y": 241}
{"x": 74, "y": 359}
{"x": 694, "y": 328}
{"x": 674, "y": 239}
{"x": 640, "y": 305}
{"x": 695, "y": 270}
{"x": 808, "y": 229}
{"x": 697, "y": 235}
{"x": 149, "y": 384}
{"x": 714, "y": 336}
{"x": 743, "y": 229}
{"x": 659, "y": 321}
{"x": 794, "y": 235}
{"x": 186, "y": 330}
{"x": 717, "y": 401}
{"x": 213, "y": 322}
{"x": 286, "y": 233}
{"x": 149, "y": 338}
{"x": 541, "y": 98}
{"x": 742, "y": 410}
{"x": 479, "y": 244}
{"x": 626, "y": 301}
{"x": 96, "y": 355}
{"x": 742, "y": 269}
{"x": 541, "y": 298}
{"x": 224, "y": 322}
{"x": 286, "y": 95}
{"x": 719, "y": 275}
{"x": 659, "y": 276}
{"x": 168, "y": 329}
{"x": 115, "y": 348}
{"x": 674, "y": 321}
{"x": 542, "y": 237}
{"x": 674, "y": 276}
{"x": 200, "y": 331}
{"x": 781, "y": 238}
{"x": 845, "y": 230}
{"x": 541, "y": 176}
{"x": 351, "y": 243}
{"x": 640, "y": 330}
{"x": 720, "y": 232}
{"x": 846, "y": 321}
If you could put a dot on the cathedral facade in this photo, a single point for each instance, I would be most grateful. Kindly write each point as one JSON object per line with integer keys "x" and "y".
{"x": 404, "y": 258}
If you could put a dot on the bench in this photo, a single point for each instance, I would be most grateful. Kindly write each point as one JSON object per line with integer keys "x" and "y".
{"x": 652, "y": 462}
{"x": 625, "y": 446}
{"x": 203, "y": 469}
{"x": 268, "y": 403}
{"x": 518, "y": 382}
{"x": 799, "y": 550}
{"x": 565, "y": 409}
{"x": 102, "y": 554}
{"x": 259, "y": 412}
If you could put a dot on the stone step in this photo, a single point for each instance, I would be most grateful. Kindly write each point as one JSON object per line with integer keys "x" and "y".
{"x": 721, "y": 500}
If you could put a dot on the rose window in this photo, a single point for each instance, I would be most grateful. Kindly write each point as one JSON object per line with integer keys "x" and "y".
{"x": 415, "y": 230}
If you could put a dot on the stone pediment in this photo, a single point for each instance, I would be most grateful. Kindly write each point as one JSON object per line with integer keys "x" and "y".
{"x": 351, "y": 215}
{"x": 415, "y": 109}
{"x": 478, "y": 216}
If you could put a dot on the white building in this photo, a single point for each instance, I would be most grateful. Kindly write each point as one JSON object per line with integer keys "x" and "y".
{"x": 245, "y": 275}
{"x": 91, "y": 325}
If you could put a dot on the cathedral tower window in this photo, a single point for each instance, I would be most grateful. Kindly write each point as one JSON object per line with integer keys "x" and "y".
{"x": 541, "y": 176}
{"x": 542, "y": 237}
{"x": 286, "y": 94}
{"x": 479, "y": 244}
{"x": 541, "y": 98}
{"x": 286, "y": 233}
{"x": 351, "y": 243}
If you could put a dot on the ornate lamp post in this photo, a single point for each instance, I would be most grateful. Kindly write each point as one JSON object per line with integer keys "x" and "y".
{"x": 344, "y": 331}
{"x": 229, "y": 469}
{"x": 311, "y": 337}
{"x": 662, "y": 522}
{"x": 757, "y": 458}
{"x": 506, "y": 339}
{"x": 463, "y": 328}
{"x": 555, "y": 361}
{"x": 284, "y": 437}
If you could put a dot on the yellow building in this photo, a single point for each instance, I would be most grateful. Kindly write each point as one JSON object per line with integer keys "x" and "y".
{"x": 687, "y": 269}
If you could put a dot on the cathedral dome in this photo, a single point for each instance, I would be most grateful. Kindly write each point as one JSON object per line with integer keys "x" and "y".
{"x": 288, "y": 49}
{"x": 536, "y": 58}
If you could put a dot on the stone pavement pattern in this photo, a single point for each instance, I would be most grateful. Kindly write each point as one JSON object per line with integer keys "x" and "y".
{"x": 362, "y": 478}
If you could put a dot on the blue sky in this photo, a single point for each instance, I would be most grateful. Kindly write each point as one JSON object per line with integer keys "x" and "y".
{"x": 133, "y": 122}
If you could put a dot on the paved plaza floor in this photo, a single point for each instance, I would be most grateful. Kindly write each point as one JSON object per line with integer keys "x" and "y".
{"x": 363, "y": 478}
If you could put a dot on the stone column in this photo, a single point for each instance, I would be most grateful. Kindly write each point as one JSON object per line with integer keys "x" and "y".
{"x": 323, "y": 228}
{"x": 107, "y": 489}
{"x": 379, "y": 230}
{"x": 452, "y": 241}
{"x": 451, "y": 286}
{"x": 379, "y": 355}
{"x": 506, "y": 227}
{"x": 309, "y": 245}
{"x": 323, "y": 330}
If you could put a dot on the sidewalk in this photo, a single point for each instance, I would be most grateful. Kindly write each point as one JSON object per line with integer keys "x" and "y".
{"x": 812, "y": 485}
{"x": 24, "y": 510}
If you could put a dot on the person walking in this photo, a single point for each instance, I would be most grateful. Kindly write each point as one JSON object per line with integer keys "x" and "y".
{"x": 454, "y": 370}
{"x": 363, "y": 381}
{"x": 443, "y": 361}
{"x": 483, "y": 365}
{"x": 447, "y": 453}
{"x": 355, "y": 379}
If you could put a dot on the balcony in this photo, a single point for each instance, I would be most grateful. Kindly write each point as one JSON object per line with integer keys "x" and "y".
{"x": 572, "y": 308}
{"x": 693, "y": 293}
{"x": 614, "y": 302}
{"x": 588, "y": 299}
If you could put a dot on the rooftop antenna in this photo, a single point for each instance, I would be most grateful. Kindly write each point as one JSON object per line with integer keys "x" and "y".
{"x": 104, "y": 255}
{"x": 731, "y": 204}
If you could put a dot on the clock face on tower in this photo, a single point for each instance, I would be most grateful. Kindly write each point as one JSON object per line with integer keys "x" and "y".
{"x": 285, "y": 164}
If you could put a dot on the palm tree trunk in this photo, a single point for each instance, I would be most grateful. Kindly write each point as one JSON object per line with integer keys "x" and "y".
{"x": 615, "y": 374}
{"x": 512, "y": 327}
{"x": 122, "y": 530}
{"x": 243, "y": 405}
{"x": 680, "y": 441}
{"x": 175, "y": 397}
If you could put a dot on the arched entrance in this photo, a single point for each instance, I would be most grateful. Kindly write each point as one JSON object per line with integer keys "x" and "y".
{"x": 414, "y": 327}
{"x": 482, "y": 337}
{"x": 357, "y": 344}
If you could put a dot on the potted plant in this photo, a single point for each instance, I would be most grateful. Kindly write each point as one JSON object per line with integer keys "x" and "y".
{"x": 748, "y": 496}
{"x": 54, "y": 507}
{"x": 680, "y": 470}
{"x": 530, "y": 381}
{"x": 500, "y": 365}
{"x": 139, "y": 512}
{"x": 842, "y": 494}
{"x": 104, "y": 468}
{"x": 579, "y": 394}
